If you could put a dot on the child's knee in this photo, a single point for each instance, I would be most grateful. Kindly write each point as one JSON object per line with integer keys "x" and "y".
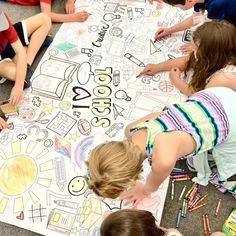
{"x": 7, "y": 70}
{"x": 45, "y": 20}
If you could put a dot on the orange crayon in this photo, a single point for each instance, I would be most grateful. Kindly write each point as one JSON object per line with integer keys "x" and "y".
{"x": 201, "y": 199}
{"x": 218, "y": 206}
{"x": 204, "y": 222}
{"x": 197, "y": 207}
{"x": 208, "y": 224}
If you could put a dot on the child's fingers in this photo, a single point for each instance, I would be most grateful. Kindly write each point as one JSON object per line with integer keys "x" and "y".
{"x": 159, "y": 34}
{"x": 129, "y": 202}
{"x": 143, "y": 72}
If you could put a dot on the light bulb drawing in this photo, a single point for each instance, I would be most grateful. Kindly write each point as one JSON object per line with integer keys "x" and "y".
{"x": 121, "y": 94}
{"x": 111, "y": 17}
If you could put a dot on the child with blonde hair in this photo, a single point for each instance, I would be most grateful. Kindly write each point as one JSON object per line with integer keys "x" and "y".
{"x": 213, "y": 61}
{"x": 203, "y": 122}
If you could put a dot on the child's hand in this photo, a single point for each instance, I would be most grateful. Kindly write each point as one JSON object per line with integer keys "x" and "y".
{"x": 149, "y": 69}
{"x": 186, "y": 48}
{"x": 70, "y": 6}
{"x": 135, "y": 195}
{"x": 16, "y": 94}
{"x": 161, "y": 32}
{"x": 82, "y": 16}
{"x": 3, "y": 123}
{"x": 174, "y": 75}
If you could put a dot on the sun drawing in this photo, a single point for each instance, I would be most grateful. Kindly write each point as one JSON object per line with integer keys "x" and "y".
{"x": 22, "y": 174}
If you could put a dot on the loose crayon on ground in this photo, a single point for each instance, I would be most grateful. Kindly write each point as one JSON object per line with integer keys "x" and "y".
{"x": 195, "y": 201}
{"x": 204, "y": 223}
{"x": 192, "y": 194}
{"x": 186, "y": 208}
{"x": 208, "y": 224}
{"x": 179, "y": 169}
{"x": 189, "y": 191}
{"x": 172, "y": 189}
{"x": 179, "y": 176}
{"x": 182, "y": 179}
{"x": 182, "y": 193}
{"x": 183, "y": 206}
{"x": 197, "y": 207}
{"x": 218, "y": 206}
{"x": 201, "y": 199}
{"x": 178, "y": 218}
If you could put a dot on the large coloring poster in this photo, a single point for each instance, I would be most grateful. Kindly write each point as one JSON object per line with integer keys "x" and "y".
{"x": 84, "y": 91}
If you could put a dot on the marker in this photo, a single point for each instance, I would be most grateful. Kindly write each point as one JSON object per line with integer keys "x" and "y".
{"x": 178, "y": 218}
{"x": 172, "y": 189}
{"x": 208, "y": 224}
{"x": 182, "y": 192}
{"x": 68, "y": 204}
{"x": 218, "y": 206}
{"x": 204, "y": 223}
{"x": 197, "y": 207}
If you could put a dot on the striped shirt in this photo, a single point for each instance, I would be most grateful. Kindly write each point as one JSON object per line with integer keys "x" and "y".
{"x": 202, "y": 116}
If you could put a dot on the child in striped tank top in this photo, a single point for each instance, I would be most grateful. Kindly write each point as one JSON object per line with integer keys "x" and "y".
{"x": 204, "y": 121}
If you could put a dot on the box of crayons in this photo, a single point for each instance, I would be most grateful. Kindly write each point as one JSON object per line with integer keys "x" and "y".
{"x": 229, "y": 227}
{"x": 7, "y": 109}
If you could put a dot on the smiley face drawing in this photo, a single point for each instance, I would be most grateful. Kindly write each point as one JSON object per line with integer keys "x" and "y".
{"x": 77, "y": 186}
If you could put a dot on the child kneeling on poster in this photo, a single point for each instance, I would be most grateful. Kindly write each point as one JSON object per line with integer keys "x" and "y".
{"x": 203, "y": 122}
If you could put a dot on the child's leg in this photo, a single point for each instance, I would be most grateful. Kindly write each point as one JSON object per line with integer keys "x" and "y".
{"x": 38, "y": 27}
{"x": 7, "y": 69}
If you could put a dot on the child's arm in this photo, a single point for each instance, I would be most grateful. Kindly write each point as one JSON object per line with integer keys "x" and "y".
{"x": 152, "y": 69}
{"x": 222, "y": 80}
{"x": 182, "y": 86}
{"x": 162, "y": 164}
{"x": 59, "y": 17}
{"x": 21, "y": 63}
{"x": 187, "y": 23}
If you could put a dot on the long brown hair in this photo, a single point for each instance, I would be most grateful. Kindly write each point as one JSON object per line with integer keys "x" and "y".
{"x": 216, "y": 42}
{"x": 130, "y": 222}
